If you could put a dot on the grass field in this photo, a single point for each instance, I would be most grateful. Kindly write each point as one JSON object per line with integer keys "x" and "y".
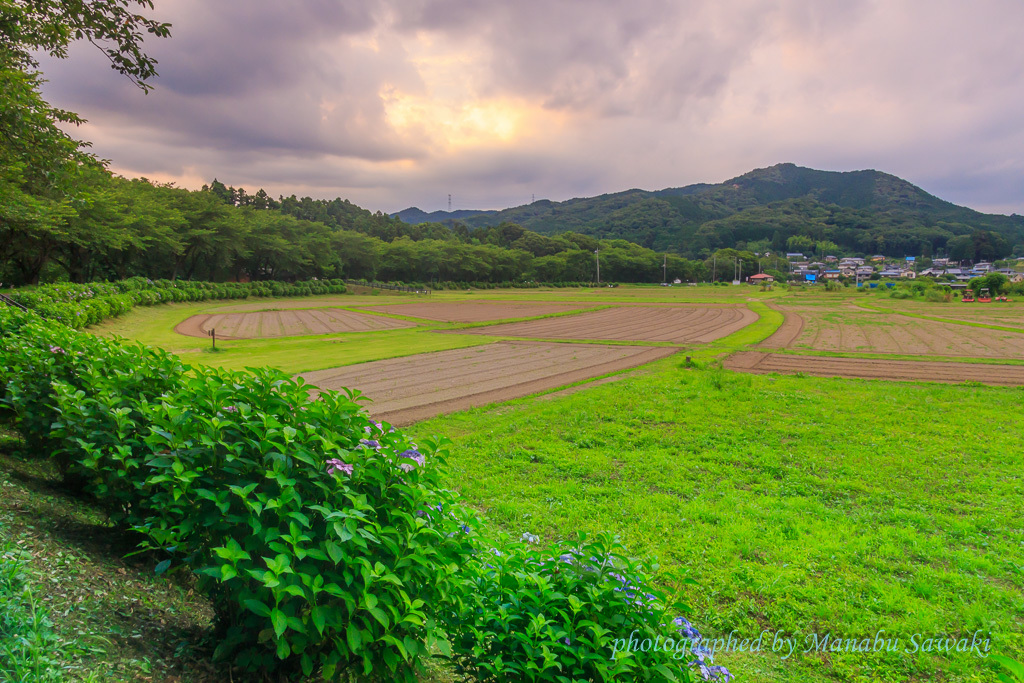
{"x": 798, "y": 505}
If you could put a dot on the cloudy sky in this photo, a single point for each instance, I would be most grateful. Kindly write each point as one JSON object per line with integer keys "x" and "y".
{"x": 400, "y": 103}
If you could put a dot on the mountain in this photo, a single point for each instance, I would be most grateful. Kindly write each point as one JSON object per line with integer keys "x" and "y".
{"x": 859, "y": 211}
{"x": 415, "y": 215}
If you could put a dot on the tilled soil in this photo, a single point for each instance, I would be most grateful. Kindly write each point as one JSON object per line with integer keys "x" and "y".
{"x": 265, "y": 324}
{"x": 787, "y": 333}
{"x": 679, "y": 324}
{"x": 871, "y": 368}
{"x": 473, "y": 312}
{"x": 406, "y": 390}
{"x": 853, "y": 331}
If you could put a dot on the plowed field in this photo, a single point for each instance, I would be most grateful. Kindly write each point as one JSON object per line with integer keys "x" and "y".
{"x": 405, "y": 390}
{"x": 854, "y": 331}
{"x": 474, "y": 312}
{"x": 262, "y": 324}
{"x": 870, "y": 368}
{"x": 680, "y": 324}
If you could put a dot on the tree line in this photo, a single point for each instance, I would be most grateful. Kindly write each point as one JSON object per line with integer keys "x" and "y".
{"x": 114, "y": 228}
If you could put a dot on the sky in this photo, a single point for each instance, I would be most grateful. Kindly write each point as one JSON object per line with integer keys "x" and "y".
{"x": 401, "y": 103}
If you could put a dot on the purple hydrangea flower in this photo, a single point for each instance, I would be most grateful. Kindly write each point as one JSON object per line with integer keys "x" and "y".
{"x": 56, "y": 349}
{"x": 370, "y": 443}
{"x": 566, "y": 640}
{"x": 335, "y": 465}
{"x": 415, "y": 455}
{"x": 530, "y": 538}
{"x": 720, "y": 673}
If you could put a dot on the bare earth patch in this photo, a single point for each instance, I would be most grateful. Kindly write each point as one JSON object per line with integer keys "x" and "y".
{"x": 995, "y": 313}
{"x": 787, "y": 333}
{"x": 263, "y": 324}
{"x": 473, "y": 312}
{"x": 406, "y": 390}
{"x": 679, "y": 324}
{"x": 870, "y": 368}
{"x": 852, "y": 331}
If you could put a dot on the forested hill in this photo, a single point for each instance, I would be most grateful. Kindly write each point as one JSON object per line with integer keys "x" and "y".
{"x": 860, "y": 211}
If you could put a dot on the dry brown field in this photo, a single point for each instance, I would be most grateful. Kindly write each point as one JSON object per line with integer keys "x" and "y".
{"x": 412, "y": 388}
{"x": 263, "y": 324}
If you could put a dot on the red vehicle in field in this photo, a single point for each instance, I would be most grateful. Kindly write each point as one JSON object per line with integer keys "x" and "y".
{"x": 968, "y": 297}
{"x": 984, "y": 297}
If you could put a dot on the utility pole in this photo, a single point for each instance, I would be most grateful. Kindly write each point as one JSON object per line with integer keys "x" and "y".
{"x": 597, "y": 256}
{"x": 664, "y": 269}
{"x": 714, "y": 262}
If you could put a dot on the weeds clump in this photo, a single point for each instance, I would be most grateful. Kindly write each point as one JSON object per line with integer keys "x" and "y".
{"x": 27, "y": 641}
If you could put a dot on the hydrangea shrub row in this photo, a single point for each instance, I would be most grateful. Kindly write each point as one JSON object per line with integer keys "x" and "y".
{"x": 78, "y": 305}
{"x": 325, "y": 541}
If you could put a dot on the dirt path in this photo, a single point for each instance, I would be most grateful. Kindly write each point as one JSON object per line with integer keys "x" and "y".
{"x": 872, "y": 368}
{"x": 406, "y": 390}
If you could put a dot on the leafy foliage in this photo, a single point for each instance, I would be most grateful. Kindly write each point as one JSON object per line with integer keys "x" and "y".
{"x": 322, "y": 538}
{"x": 27, "y": 642}
{"x": 527, "y": 613}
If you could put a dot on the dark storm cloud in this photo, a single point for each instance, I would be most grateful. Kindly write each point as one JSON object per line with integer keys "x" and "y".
{"x": 259, "y": 75}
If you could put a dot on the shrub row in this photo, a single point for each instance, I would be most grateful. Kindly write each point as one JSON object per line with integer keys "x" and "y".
{"x": 325, "y": 541}
{"x": 79, "y": 306}
{"x": 298, "y": 514}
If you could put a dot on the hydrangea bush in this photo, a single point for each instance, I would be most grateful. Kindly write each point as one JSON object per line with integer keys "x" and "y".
{"x": 322, "y": 537}
{"x": 80, "y": 305}
{"x": 585, "y": 612}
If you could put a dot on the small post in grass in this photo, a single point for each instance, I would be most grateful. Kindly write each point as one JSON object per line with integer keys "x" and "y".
{"x": 213, "y": 338}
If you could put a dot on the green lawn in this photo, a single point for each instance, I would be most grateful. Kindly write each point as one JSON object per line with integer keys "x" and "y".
{"x": 802, "y": 505}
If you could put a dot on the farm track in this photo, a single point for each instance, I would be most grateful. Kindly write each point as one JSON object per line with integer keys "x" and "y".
{"x": 286, "y": 323}
{"x": 871, "y": 368}
{"x": 413, "y": 388}
{"x": 678, "y": 324}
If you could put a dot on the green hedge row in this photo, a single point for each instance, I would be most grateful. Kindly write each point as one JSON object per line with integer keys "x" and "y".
{"x": 79, "y": 306}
